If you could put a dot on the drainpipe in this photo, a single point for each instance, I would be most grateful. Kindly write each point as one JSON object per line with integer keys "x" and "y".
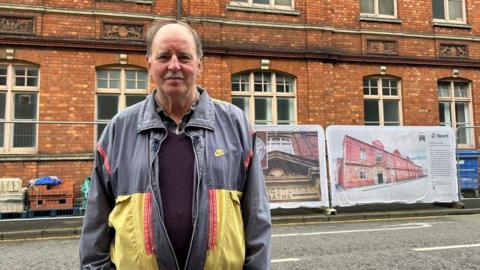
{"x": 179, "y": 10}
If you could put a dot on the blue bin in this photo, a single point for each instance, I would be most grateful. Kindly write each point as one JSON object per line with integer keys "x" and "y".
{"x": 468, "y": 169}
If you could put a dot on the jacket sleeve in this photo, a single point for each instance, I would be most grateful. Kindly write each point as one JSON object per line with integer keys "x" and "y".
{"x": 256, "y": 215}
{"x": 96, "y": 235}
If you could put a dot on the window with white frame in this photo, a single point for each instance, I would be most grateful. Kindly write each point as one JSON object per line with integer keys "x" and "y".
{"x": 19, "y": 86}
{"x": 266, "y": 97}
{"x": 118, "y": 88}
{"x": 279, "y": 143}
{"x": 382, "y": 103}
{"x": 363, "y": 154}
{"x": 378, "y": 8}
{"x": 450, "y": 11}
{"x": 363, "y": 174}
{"x": 269, "y": 4}
{"x": 455, "y": 109}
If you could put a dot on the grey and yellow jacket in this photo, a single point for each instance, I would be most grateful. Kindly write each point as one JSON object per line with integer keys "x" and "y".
{"x": 123, "y": 225}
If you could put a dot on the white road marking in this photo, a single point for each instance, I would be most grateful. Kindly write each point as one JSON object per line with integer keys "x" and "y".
{"x": 409, "y": 226}
{"x": 286, "y": 260}
{"x": 446, "y": 247}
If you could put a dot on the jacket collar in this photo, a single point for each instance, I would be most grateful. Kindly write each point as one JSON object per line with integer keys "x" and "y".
{"x": 203, "y": 116}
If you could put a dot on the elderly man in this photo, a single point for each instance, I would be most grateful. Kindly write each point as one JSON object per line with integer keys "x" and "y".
{"x": 176, "y": 182}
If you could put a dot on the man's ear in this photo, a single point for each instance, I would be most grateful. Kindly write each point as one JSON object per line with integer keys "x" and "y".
{"x": 148, "y": 64}
{"x": 199, "y": 66}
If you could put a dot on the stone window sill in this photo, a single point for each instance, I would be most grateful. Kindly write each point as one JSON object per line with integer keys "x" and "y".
{"x": 452, "y": 25}
{"x": 263, "y": 10}
{"x": 379, "y": 19}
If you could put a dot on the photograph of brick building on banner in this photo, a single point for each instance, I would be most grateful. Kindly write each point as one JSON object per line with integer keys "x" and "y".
{"x": 292, "y": 165}
{"x": 366, "y": 164}
{"x": 391, "y": 164}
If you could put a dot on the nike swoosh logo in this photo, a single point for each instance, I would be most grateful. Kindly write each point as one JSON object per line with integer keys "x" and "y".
{"x": 219, "y": 152}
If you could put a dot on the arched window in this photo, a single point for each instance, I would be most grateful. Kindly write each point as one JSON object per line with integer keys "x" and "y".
{"x": 266, "y": 97}
{"x": 19, "y": 87}
{"x": 382, "y": 102}
{"x": 116, "y": 89}
{"x": 455, "y": 109}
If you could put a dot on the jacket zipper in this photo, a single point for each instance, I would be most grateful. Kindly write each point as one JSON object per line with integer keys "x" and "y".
{"x": 197, "y": 182}
{"x": 157, "y": 202}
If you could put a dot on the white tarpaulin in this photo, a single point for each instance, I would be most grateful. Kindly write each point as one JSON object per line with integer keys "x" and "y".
{"x": 391, "y": 164}
{"x": 293, "y": 162}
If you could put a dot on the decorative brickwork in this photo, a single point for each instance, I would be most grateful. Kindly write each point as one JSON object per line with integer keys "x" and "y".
{"x": 122, "y": 31}
{"x": 453, "y": 50}
{"x": 16, "y": 25}
{"x": 381, "y": 46}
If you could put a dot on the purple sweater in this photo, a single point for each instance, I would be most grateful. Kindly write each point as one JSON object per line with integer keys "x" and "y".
{"x": 177, "y": 165}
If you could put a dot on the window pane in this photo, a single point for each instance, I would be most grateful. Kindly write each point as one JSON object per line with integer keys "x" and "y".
{"x": 261, "y": 2}
{"x": 25, "y": 106}
{"x": 263, "y": 110}
{"x": 385, "y": 7}
{"x": 461, "y": 113}
{"x": 102, "y": 83}
{"x": 366, "y": 6}
{"x": 3, "y": 75}
{"x": 114, "y": 84}
{"x": 19, "y": 71}
{"x": 114, "y": 74}
{"x": 285, "y": 110}
{"x": 240, "y": 82}
{"x": 243, "y": 103}
{"x": 3, "y": 105}
{"x": 444, "y": 114}
{"x": 32, "y": 81}
{"x": 283, "y": 2}
{"x": 142, "y": 85}
{"x": 391, "y": 112}
{"x": 263, "y": 81}
{"x": 370, "y": 87}
{"x": 130, "y": 74}
{"x": 460, "y": 89}
{"x": 32, "y": 72}
{"x": 20, "y": 81}
{"x": 371, "y": 112}
{"x": 102, "y": 74}
{"x": 107, "y": 106}
{"x": 133, "y": 99}
{"x": 2, "y": 137}
{"x": 131, "y": 85}
{"x": 2, "y": 117}
{"x": 455, "y": 11}
{"x": 438, "y": 9}
{"x": 24, "y": 135}
{"x": 443, "y": 89}
{"x": 284, "y": 84}
{"x": 100, "y": 128}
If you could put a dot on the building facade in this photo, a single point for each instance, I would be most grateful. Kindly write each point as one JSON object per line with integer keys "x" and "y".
{"x": 66, "y": 67}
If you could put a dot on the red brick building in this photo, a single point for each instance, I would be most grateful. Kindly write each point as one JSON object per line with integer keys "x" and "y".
{"x": 365, "y": 164}
{"x": 65, "y": 65}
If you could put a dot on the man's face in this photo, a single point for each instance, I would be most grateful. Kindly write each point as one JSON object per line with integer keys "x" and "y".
{"x": 173, "y": 63}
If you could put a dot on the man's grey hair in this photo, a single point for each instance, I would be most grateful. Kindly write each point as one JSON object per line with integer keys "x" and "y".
{"x": 157, "y": 26}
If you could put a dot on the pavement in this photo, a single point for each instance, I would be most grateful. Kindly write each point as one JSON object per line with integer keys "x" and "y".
{"x": 71, "y": 226}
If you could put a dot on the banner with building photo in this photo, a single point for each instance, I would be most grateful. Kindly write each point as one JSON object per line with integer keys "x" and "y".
{"x": 294, "y": 165}
{"x": 391, "y": 164}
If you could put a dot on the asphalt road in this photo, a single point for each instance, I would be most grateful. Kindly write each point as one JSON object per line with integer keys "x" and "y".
{"x": 450, "y": 242}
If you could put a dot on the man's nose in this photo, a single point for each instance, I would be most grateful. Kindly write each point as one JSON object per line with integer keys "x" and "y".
{"x": 174, "y": 64}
